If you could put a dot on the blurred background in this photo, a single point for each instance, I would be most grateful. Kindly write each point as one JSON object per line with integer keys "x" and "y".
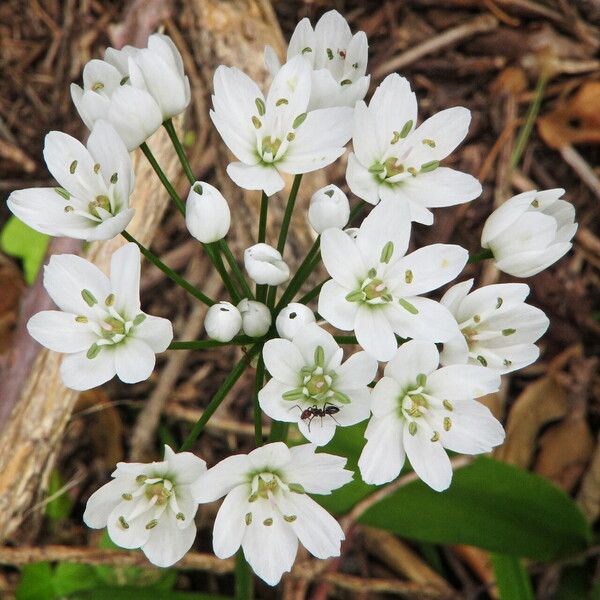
{"x": 514, "y": 64}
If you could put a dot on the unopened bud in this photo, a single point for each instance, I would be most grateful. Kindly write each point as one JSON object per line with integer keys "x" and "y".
{"x": 223, "y": 322}
{"x": 265, "y": 265}
{"x": 256, "y": 317}
{"x": 329, "y": 207}
{"x": 207, "y": 214}
{"x": 292, "y": 318}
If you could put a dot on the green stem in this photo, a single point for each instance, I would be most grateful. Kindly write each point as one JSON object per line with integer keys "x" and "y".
{"x": 356, "y": 211}
{"x": 345, "y": 339}
{"x": 479, "y": 256}
{"x": 215, "y": 256}
{"x": 168, "y": 125}
{"x": 287, "y": 216}
{"x": 260, "y": 378}
{"x": 532, "y": 113}
{"x": 242, "y": 340}
{"x": 300, "y": 276}
{"x": 163, "y": 178}
{"x": 235, "y": 268}
{"x": 313, "y": 293}
{"x": 244, "y": 582}
{"x": 219, "y": 396}
{"x": 178, "y": 279}
{"x": 262, "y": 220}
{"x": 279, "y": 431}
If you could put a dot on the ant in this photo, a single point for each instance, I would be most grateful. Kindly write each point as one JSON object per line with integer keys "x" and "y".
{"x": 311, "y": 412}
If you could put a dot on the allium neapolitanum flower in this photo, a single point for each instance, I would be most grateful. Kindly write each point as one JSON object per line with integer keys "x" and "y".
{"x": 96, "y": 182}
{"x": 256, "y": 317}
{"x": 312, "y": 387}
{"x": 207, "y": 214}
{"x": 376, "y": 291}
{"x": 135, "y": 89}
{"x": 100, "y": 326}
{"x": 329, "y": 207}
{"x": 419, "y": 410}
{"x": 267, "y": 509}
{"x": 497, "y": 328}
{"x": 150, "y": 506}
{"x": 530, "y": 232}
{"x": 276, "y": 134}
{"x": 397, "y": 161}
{"x": 292, "y": 318}
{"x": 265, "y": 265}
{"x": 223, "y": 321}
{"x": 337, "y": 58}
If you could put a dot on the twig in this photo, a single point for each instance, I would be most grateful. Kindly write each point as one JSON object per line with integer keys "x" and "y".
{"x": 581, "y": 167}
{"x": 25, "y": 555}
{"x": 480, "y": 24}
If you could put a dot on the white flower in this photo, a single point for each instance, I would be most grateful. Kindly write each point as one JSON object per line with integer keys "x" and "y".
{"x": 99, "y": 325}
{"x": 497, "y": 328}
{"x": 337, "y": 58}
{"x": 312, "y": 387}
{"x": 275, "y": 135}
{"x": 107, "y": 94}
{"x": 159, "y": 70}
{"x": 150, "y": 506}
{"x": 418, "y": 410}
{"x": 256, "y": 317}
{"x": 93, "y": 202}
{"x": 329, "y": 207}
{"x": 267, "y": 508}
{"x": 395, "y": 161}
{"x": 207, "y": 214}
{"x": 530, "y": 232}
{"x": 376, "y": 291}
{"x": 265, "y": 265}
{"x": 223, "y": 321}
{"x": 292, "y": 318}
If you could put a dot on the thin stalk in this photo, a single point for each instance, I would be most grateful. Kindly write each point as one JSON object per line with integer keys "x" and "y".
{"x": 532, "y": 113}
{"x": 345, "y": 339}
{"x": 244, "y": 582}
{"x": 279, "y": 431}
{"x": 313, "y": 293}
{"x": 242, "y": 340}
{"x": 163, "y": 178}
{"x": 262, "y": 220}
{"x": 235, "y": 268}
{"x": 178, "y": 279}
{"x": 287, "y": 216}
{"x": 356, "y": 211}
{"x": 260, "y": 378}
{"x": 479, "y": 256}
{"x": 215, "y": 256}
{"x": 219, "y": 396}
{"x": 168, "y": 125}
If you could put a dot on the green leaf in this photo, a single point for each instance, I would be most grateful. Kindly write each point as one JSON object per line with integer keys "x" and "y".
{"x": 60, "y": 507}
{"x": 71, "y": 577}
{"x": 20, "y": 241}
{"x": 492, "y": 505}
{"x": 511, "y": 578}
{"x": 36, "y": 583}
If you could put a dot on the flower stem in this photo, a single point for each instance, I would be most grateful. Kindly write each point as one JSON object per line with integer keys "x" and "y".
{"x": 168, "y": 125}
{"x": 235, "y": 268}
{"x": 178, "y": 279}
{"x": 479, "y": 256}
{"x": 313, "y": 293}
{"x": 244, "y": 583}
{"x": 279, "y": 431}
{"x": 260, "y": 377}
{"x": 215, "y": 256}
{"x": 220, "y": 395}
{"x": 163, "y": 178}
{"x": 242, "y": 340}
{"x": 345, "y": 339}
{"x": 261, "y": 290}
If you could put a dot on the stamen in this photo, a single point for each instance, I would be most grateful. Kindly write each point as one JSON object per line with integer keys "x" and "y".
{"x": 62, "y": 192}
{"x": 69, "y": 209}
{"x": 152, "y": 524}
{"x": 180, "y": 516}
{"x": 141, "y": 479}
{"x": 372, "y": 273}
{"x": 386, "y": 253}
{"x": 319, "y": 356}
{"x": 295, "y": 394}
{"x": 307, "y": 49}
{"x": 421, "y": 379}
{"x": 407, "y": 306}
{"x": 139, "y": 319}
{"x": 296, "y": 488}
{"x": 72, "y": 167}
{"x": 110, "y": 300}
{"x": 412, "y": 428}
{"x": 508, "y": 331}
{"x": 435, "y": 437}
{"x": 396, "y": 137}
{"x": 256, "y": 122}
{"x": 507, "y": 362}
{"x": 299, "y": 120}
{"x": 114, "y": 178}
{"x": 329, "y": 193}
{"x": 268, "y": 522}
{"x": 127, "y": 496}
{"x": 406, "y": 129}
{"x": 124, "y": 80}
{"x": 428, "y": 142}
{"x": 346, "y": 82}
{"x": 124, "y": 524}
{"x": 412, "y": 171}
{"x": 329, "y": 53}
{"x": 93, "y": 351}
{"x": 447, "y": 423}
{"x": 260, "y": 106}
{"x": 341, "y": 397}
{"x": 96, "y": 167}
{"x": 97, "y": 86}
{"x": 476, "y": 318}
{"x": 535, "y": 204}
{"x": 81, "y": 319}
{"x": 281, "y": 102}
{"x": 430, "y": 166}
{"x": 291, "y": 136}
{"x": 482, "y": 360}
{"x": 447, "y": 405}
{"x": 88, "y": 297}
{"x": 248, "y": 518}
{"x": 289, "y": 518}
{"x": 408, "y": 276}
{"x": 198, "y": 189}
{"x": 499, "y": 302}
{"x": 356, "y": 296}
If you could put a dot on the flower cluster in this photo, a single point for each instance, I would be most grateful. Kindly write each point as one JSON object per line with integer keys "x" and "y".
{"x": 442, "y": 352}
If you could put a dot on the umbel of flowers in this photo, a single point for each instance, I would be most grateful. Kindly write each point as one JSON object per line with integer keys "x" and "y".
{"x": 439, "y": 354}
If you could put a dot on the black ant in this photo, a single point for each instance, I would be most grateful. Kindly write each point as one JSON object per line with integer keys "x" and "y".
{"x": 311, "y": 412}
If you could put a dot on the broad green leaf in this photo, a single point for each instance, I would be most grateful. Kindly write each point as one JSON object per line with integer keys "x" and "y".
{"x": 36, "y": 583}
{"x": 71, "y": 577}
{"x": 20, "y": 241}
{"x": 60, "y": 507}
{"x": 492, "y": 505}
{"x": 511, "y": 578}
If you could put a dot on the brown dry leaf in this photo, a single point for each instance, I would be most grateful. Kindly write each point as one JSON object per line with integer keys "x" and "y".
{"x": 12, "y": 286}
{"x": 479, "y": 562}
{"x": 565, "y": 451}
{"x": 512, "y": 80}
{"x": 106, "y": 427}
{"x": 574, "y": 121}
{"x": 541, "y": 402}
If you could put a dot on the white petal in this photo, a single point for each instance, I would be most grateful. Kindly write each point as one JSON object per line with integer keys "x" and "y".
{"x": 521, "y": 324}
{"x": 270, "y": 457}
{"x": 455, "y": 295}
{"x": 107, "y": 229}
{"x": 230, "y": 524}
{"x": 134, "y": 360}
{"x": 361, "y": 182}
{"x": 186, "y": 466}
{"x": 505, "y": 215}
{"x": 428, "y": 459}
{"x": 398, "y": 194}
{"x": 133, "y": 536}
{"x": 387, "y": 395}
{"x": 432, "y": 323}
{"x": 357, "y": 410}
{"x": 374, "y": 332}
{"x": 358, "y": 371}
{"x": 156, "y": 332}
{"x": 167, "y": 543}
{"x": 222, "y": 478}
{"x": 412, "y": 359}
{"x": 317, "y": 430}
{"x": 273, "y": 405}
{"x": 125, "y": 279}
{"x": 334, "y": 307}
{"x": 455, "y": 351}
{"x": 79, "y": 372}
{"x": 60, "y": 332}
{"x": 489, "y": 298}
{"x": 104, "y": 500}
{"x": 317, "y": 473}
{"x": 382, "y": 457}
{"x": 256, "y": 177}
{"x": 309, "y": 338}
{"x": 283, "y": 361}
{"x": 533, "y": 262}
{"x": 369, "y": 145}
{"x": 342, "y": 258}
{"x": 461, "y": 382}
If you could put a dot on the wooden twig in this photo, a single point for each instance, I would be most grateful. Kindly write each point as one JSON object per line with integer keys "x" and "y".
{"x": 582, "y": 168}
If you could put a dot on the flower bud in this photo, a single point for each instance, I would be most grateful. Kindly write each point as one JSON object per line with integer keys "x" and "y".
{"x": 223, "y": 322}
{"x": 351, "y": 232}
{"x": 530, "y": 232}
{"x": 292, "y": 318}
{"x": 207, "y": 213}
{"x": 329, "y": 207}
{"x": 256, "y": 317}
{"x": 265, "y": 265}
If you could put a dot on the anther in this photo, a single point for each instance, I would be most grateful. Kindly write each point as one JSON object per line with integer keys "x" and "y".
{"x": 412, "y": 171}
{"x": 296, "y": 488}
{"x": 408, "y": 276}
{"x": 124, "y": 80}
{"x": 289, "y": 518}
{"x": 260, "y": 106}
{"x": 127, "y": 496}
{"x": 406, "y": 129}
{"x": 319, "y": 356}
{"x": 62, "y": 192}
{"x": 482, "y": 360}
{"x": 435, "y": 437}
{"x": 329, "y": 53}
{"x": 97, "y": 86}
{"x": 428, "y": 142}
{"x": 152, "y": 524}
{"x": 447, "y": 405}
{"x": 476, "y": 318}
{"x": 356, "y": 296}
{"x": 281, "y": 102}
{"x": 81, "y": 319}
{"x": 412, "y": 428}
{"x": 386, "y": 253}
{"x": 72, "y": 167}
{"x": 430, "y": 166}
{"x": 96, "y": 167}
{"x": 139, "y": 319}
{"x": 88, "y": 297}
{"x": 124, "y": 524}
{"x": 499, "y": 302}
{"x": 408, "y": 306}
{"x": 256, "y": 122}
{"x": 114, "y": 178}
{"x": 345, "y": 82}
{"x": 508, "y": 331}
{"x": 299, "y": 120}
{"x": 110, "y": 300}
{"x": 248, "y": 518}
{"x": 291, "y": 136}
{"x": 69, "y": 209}
{"x": 180, "y": 516}
{"x": 307, "y": 49}
{"x": 447, "y": 423}
{"x": 268, "y": 522}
